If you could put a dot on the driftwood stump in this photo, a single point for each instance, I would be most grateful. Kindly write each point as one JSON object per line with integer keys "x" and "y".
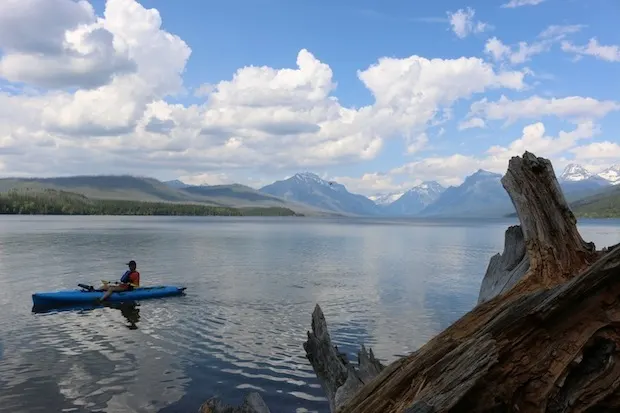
{"x": 339, "y": 379}
{"x": 544, "y": 338}
{"x": 550, "y": 343}
{"x": 555, "y": 249}
{"x": 505, "y": 270}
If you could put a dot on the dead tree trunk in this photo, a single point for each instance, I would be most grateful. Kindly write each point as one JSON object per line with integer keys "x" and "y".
{"x": 339, "y": 379}
{"x": 505, "y": 270}
{"x": 555, "y": 350}
{"x": 551, "y": 343}
{"x": 554, "y": 246}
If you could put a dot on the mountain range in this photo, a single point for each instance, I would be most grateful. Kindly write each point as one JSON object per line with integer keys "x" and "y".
{"x": 480, "y": 195}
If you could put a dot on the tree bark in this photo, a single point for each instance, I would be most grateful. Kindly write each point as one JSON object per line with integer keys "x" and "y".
{"x": 505, "y": 270}
{"x": 554, "y": 246}
{"x": 339, "y": 379}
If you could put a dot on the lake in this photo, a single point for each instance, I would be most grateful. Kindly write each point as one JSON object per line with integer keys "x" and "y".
{"x": 252, "y": 284}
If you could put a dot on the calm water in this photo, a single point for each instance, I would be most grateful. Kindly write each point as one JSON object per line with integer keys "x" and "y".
{"x": 252, "y": 285}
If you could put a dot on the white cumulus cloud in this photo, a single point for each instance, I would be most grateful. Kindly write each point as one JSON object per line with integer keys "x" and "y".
{"x": 87, "y": 93}
{"x": 122, "y": 66}
{"x": 451, "y": 170}
{"x": 463, "y": 23}
{"x": 535, "y": 107}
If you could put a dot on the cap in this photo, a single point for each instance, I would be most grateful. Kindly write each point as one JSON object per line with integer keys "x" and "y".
{"x": 132, "y": 262}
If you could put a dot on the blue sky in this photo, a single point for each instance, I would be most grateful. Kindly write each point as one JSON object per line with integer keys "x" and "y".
{"x": 85, "y": 117}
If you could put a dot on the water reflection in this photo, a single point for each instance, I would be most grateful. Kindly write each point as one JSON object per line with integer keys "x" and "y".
{"x": 129, "y": 309}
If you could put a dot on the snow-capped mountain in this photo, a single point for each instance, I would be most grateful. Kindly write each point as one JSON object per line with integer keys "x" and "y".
{"x": 611, "y": 174}
{"x": 385, "y": 199}
{"x": 480, "y": 195}
{"x": 416, "y": 199}
{"x": 574, "y": 173}
{"x": 576, "y": 181}
{"x": 310, "y": 189}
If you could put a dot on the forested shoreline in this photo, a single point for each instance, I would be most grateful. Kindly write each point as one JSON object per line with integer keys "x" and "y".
{"x": 56, "y": 202}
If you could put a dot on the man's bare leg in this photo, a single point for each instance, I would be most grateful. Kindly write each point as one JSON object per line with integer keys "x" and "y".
{"x": 110, "y": 289}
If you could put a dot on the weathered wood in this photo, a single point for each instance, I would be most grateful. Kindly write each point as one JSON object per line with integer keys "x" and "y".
{"x": 554, "y": 246}
{"x": 551, "y": 342}
{"x": 252, "y": 403}
{"x": 338, "y": 377}
{"x": 543, "y": 349}
{"x": 506, "y": 269}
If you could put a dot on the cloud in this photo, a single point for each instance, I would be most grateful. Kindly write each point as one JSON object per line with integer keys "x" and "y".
{"x": 451, "y": 170}
{"x": 573, "y": 108}
{"x": 373, "y": 183}
{"x": 58, "y": 44}
{"x": 215, "y": 178}
{"x": 595, "y": 49}
{"x": 408, "y": 92}
{"x": 156, "y": 125}
{"x": 496, "y": 49}
{"x": 262, "y": 117}
{"x": 558, "y": 32}
{"x": 463, "y": 23}
{"x": 90, "y": 94}
{"x": 520, "y": 3}
{"x": 523, "y": 51}
{"x": 472, "y": 123}
{"x": 597, "y": 150}
{"x": 535, "y": 140}
{"x": 417, "y": 144}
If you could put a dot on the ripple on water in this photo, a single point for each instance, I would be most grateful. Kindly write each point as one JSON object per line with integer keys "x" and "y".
{"x": 252, "y": 285}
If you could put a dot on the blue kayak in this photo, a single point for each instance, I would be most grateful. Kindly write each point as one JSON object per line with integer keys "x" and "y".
{"x": 68, "y": 297}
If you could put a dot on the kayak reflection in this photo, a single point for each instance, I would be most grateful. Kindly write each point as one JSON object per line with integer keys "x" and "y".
{"x": 129, "y": 309}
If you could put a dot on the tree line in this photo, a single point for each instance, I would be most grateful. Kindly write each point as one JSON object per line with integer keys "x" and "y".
{"x": 57, "y": 202}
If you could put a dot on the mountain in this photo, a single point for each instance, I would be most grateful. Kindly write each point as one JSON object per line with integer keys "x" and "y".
{"x": 577, "y": 182}
{"x": 385, "y": 199}
{"x": 131, "y": 188}
{"x": 480, "y": 195}
{"x": 176, "y": 184}
{"x": 415, "y": 200}
{"x": 604, "y": 204}
{"x": 103, "y": 187}
{"x": 310, "y": 189}
{"x": 611, "y": 174}
{"x": 575, "y": 173}
{"x": 236, "y": 194}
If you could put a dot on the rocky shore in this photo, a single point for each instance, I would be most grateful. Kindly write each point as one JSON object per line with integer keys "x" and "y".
{"x": 544, "y": 336}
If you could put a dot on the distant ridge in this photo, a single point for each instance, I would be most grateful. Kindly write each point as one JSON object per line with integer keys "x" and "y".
{"x": 480, "y": 195}
{"x": 310, "y": 189}
{"x": 413, "y": 201}
{"x": 132, "y": 188}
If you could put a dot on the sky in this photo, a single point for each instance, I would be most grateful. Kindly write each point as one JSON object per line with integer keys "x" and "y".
{"x": 377, "y": 95}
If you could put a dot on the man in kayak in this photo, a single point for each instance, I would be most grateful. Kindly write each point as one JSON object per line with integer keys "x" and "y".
{"x": 129, "y": 281}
